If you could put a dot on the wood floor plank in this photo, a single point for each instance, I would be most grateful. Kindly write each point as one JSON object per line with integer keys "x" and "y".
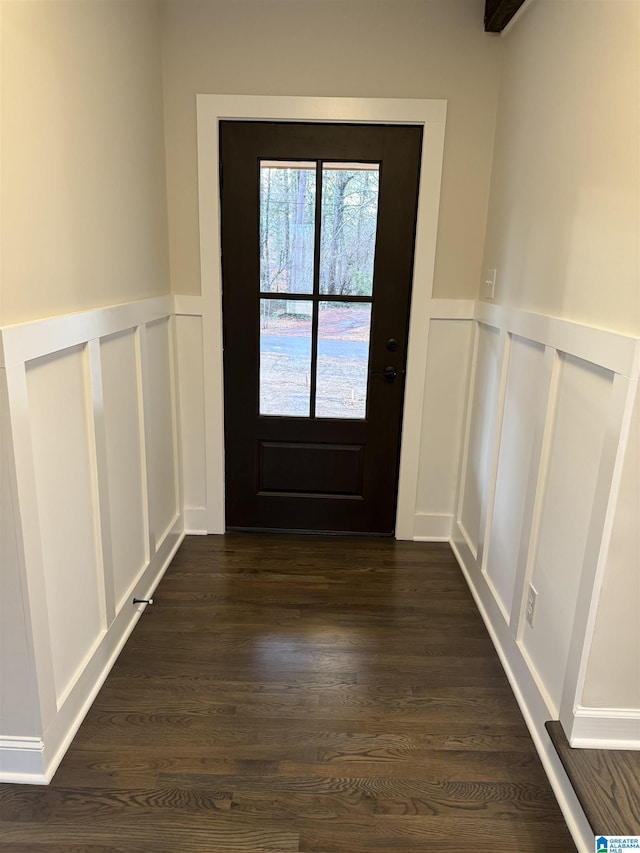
{"x": 61, "y": 804}
{"x": 223, "y": 837}
{"x": 410, "y": 834}
{"x": 487, "y": 801}
{"x": 134, "y": 729}
{"x": 288, "y": 694}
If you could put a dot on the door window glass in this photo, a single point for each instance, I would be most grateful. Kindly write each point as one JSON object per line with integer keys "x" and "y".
{"x": 314, "y": 351}
{"x": 287, "y": 226}
{"x": 349, "y": 221}
{"x": 343, "y": 359}
{"x": 285, "y": 357}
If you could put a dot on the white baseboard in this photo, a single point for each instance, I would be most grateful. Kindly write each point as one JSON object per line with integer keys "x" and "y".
{"x": 432, "y": 527}
{"x": 195, "y": 520}
{"x": 527, "y": 694}
{"x": 22, "y": 760}
{"x": 34, "y": 761}
{"x": 605, "y": 728}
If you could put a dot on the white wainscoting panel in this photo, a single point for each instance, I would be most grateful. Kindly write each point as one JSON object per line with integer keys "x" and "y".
{"x": 63, "y": 454}
{"x": 124, "y": 461}
{"x": 18, "y": 689}
{"x": 190, "y": 360}
{"x": 445, "y": 395}
{"x": 613, "y": 671}
{"x": 548, "y": 414}
{"x": 476, "y": 478}
{"x": 520, "y": 444}
{"x": 581, "y": 407}
{"x": 159, "y": 414}
{"x": 89, "y": 455}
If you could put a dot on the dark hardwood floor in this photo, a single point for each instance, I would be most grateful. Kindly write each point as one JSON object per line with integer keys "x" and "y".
{"x": 289, "y": 693}
{"x": 606, "y": 782}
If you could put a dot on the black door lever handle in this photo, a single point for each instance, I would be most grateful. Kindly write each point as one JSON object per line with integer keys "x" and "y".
{"x": 389, "y": 373}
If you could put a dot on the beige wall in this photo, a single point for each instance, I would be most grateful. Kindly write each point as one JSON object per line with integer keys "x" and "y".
{"x": 387, "y": 48}
{"x": 563, "y": 226}
{"x": 83, "y": 174}
{"x": 563, "y": 231}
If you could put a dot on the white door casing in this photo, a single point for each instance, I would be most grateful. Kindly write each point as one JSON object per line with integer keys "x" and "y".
{"x": 211, "y": 110}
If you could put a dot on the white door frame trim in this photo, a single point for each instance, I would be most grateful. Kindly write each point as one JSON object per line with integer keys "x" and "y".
{"x": 431, "y": 114}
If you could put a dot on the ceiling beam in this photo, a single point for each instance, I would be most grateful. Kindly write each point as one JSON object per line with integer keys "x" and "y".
{"x": 498, "y": 13}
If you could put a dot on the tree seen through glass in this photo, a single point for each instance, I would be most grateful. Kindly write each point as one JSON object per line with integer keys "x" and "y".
{"x": 348, "y": 231}
{"x": 348, "y": 223}
{"x": 287, "y": 228}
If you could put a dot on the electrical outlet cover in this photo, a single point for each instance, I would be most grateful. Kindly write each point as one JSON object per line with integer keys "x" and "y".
{"x": 531, "y": 604}
{"x": 489, "y": 284}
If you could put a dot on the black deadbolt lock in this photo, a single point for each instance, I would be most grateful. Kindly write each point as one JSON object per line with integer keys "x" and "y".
{"x": 392, "y": 345}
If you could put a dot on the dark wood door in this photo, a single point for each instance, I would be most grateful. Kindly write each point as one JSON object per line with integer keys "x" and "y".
{"x": 318, "y": 230}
